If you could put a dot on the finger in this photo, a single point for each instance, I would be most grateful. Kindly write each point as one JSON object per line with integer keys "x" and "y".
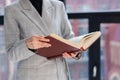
{"x": 44, "y": 44}
{"x": 44, "y": 40}
{"x": 66, "y": 55}
{"x": 39, "y": 38}
{"x": 73, "y": 54}
{"x": 37, "y": 45}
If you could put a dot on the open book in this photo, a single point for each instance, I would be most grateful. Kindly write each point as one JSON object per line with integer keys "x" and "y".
{"x": 60, "y": 45}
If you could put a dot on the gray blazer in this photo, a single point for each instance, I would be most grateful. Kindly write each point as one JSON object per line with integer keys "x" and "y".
{"x": 23, "y": 21}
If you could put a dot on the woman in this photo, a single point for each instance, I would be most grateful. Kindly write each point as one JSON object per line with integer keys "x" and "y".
{"x": 26, "y": 24}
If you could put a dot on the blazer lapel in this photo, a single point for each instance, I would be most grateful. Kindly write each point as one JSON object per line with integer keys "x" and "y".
{"x": 48, "y": 12}
{"x": 34, "y": 16}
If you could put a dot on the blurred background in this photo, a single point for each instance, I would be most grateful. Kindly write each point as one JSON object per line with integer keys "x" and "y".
{"x": 99, "y": 63}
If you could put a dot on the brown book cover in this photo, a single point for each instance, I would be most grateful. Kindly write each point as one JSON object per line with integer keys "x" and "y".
{"x": 60, "y": 45}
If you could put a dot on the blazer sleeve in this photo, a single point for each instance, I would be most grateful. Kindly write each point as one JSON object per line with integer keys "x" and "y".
{"x": 66, "y": 28}
{"x": 15, "y": 46}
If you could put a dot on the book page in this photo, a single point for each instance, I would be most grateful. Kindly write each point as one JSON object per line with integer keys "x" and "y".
{"x": 86, "y": 40}
{"x": 77, "y": 39}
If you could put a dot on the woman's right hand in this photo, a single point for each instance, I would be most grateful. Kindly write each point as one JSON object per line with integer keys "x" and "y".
{"x": 36, "y": 42}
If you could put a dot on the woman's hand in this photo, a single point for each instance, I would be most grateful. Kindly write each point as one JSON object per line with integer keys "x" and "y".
{"x": 76, "y": 55}
{"x": 69, "y": 55}
{"x": 36, "y": 42}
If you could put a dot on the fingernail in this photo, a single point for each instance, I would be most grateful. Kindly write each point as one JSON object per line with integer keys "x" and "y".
{"x": 49, "y": 45}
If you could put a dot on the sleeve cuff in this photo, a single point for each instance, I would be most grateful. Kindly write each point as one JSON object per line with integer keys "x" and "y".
{"x": 33, "y": 50}
{"x": 78, "y": 56}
